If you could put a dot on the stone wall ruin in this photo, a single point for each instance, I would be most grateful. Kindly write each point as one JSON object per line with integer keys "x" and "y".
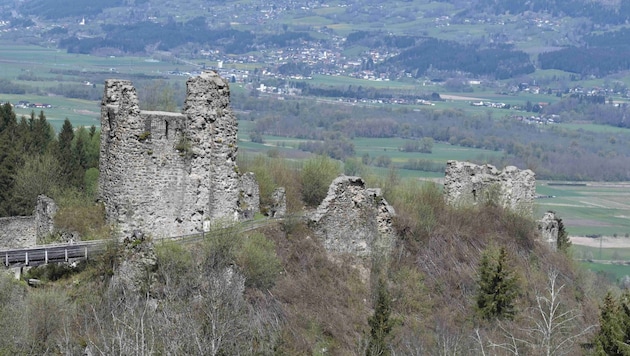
{"x": 28, "y": 231}
{"x": 354, "y": 219}
{"x": 470, "y": 184}
{"x": 548, "y": 227}
{"x": 169, "y": 174}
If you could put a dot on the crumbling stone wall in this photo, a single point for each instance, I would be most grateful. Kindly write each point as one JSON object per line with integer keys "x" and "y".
{"x": 354, "y": 219}
{"x": 249, "y": 199}
{"x": 467, "y": 183}
{"x": 168, "y": 174}
{"x": 27, "y": 231}
{"x": 278, "y": 206}
{"x": 548, "y": 228}
{"x": 44, "y": 217}
{"x": 17, "y": 231}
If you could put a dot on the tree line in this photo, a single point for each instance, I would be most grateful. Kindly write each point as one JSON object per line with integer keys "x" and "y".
{"x": 35, "y": 160}
{"x": 500, "y": 62}
{"x": 551, "y": 151}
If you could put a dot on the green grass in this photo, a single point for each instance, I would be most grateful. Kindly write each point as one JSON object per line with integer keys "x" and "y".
{"x": 614, "y": 272}
{"x": 355, "y": 82}
{"x": 442, "y": 152}
{"x": 79, "y": 112}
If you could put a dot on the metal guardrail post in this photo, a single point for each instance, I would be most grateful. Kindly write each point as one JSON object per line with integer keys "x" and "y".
{"x": 26, "y": 258}
{"x": 46, "y": 255}
{"x": 86, "y": 253}
{"x": 66, "y": 253}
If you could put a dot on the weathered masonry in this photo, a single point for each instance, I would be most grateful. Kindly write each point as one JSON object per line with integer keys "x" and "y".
{"x": 354, "y": 219}
{"x": 468, "y": 184}
{"x": 167, "y": 173}
{"x": 26, "y": 231}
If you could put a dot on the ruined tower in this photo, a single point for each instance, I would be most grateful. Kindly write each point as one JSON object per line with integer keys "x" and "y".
{"x": 169, "y": 174}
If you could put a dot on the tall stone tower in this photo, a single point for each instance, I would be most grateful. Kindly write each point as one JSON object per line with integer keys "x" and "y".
{"x": 169, "y": 174}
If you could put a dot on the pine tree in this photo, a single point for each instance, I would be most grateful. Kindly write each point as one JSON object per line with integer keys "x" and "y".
{"x": 624, "y": 306}
{"x": 610, "y": 339}
{"x": 498, "y": 287}
{"x": 67, "y": 156}
{"x": 43, "y": 134}
{"x": 563, "y": 243}
{"x": 381, "y": 324}
{"x": 9, "y": 157}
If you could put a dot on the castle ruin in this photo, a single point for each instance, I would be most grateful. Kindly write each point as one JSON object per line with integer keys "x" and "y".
{"x": 28, "y": 231}
{"x": 169, "y": 174}
{"x": 470, "y": 184}
{"x": 354, "y": 219}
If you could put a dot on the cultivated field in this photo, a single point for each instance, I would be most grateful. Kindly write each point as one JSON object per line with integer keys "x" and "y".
{"x": 595, "y": 208}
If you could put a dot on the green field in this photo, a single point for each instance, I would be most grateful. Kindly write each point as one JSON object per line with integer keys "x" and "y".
{"x": 594, "y": 209}
{"x": 614, "y": 272}
{"x": 79, "y": 112}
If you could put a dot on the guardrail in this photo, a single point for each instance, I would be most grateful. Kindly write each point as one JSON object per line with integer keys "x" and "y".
{"x": 57, "y": 253}
{"x": 44, "y": 254}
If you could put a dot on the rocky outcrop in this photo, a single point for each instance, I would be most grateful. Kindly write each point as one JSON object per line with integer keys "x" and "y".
{"x": 354, "y": 219}
{"x": 469, "y": 184}
{"x": 168, "y": 173}
{"x": 548, "y": 227}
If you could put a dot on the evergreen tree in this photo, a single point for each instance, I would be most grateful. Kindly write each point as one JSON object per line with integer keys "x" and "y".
{"x": 563, "y": 243}
{"x": 9, "y": 157}
{"x": 498, "y": 286}
{"x": 624, "y": 306}
{"x": 67, "y": 156}
{"x": 42, "y": 134}
{"x": 610, "y": 339}
{"x": 380, "y": 323}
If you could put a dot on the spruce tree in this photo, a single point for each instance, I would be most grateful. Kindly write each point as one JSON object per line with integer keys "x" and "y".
{"x": 9, "y": 157}
{"x": 380, "y": 323}
{"x": 563, "y": 243}
{"x": 624, "y": 306}
{"x": 498, "y": 287}
{"x": 610, "y": 339}
{"x": 67, "y": 156}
